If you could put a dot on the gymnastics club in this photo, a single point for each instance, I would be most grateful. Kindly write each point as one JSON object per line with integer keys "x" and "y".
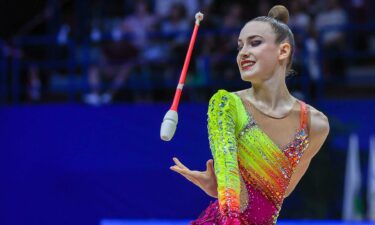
{"x": 169, "y": 124}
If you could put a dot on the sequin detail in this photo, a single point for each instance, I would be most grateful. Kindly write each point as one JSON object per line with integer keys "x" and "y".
{"x": 248, "y": 159}
{"x": 223, "y": 144}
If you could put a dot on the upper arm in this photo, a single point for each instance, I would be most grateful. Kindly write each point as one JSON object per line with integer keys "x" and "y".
{"x": 318, "y": 132}
{"x": 319, "y": 129}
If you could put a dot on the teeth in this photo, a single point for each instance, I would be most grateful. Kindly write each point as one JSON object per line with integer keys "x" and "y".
{"x": 248, "y": 64}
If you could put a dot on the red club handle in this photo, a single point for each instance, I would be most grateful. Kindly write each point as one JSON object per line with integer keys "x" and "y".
{"x": 177, "y": 96}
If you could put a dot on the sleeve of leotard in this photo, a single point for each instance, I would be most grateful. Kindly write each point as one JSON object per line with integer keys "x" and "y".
{"x": 222, "y": 138}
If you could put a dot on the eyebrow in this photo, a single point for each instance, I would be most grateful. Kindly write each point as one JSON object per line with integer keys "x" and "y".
{"x": 250, "y": 37}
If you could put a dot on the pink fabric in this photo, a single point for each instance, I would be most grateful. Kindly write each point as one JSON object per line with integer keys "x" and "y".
{"x": 266, "y": 170}
{"x": 260, "y": 211}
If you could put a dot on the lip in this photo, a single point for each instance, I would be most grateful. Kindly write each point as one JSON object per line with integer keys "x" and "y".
{"x": 244, "y": 62}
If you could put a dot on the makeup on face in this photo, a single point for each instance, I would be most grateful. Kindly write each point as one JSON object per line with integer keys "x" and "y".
{"x": 257, "y": 51}
{"x": 251, "y": 41}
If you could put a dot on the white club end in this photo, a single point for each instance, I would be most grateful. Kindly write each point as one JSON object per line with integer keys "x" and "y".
{"x": 198, "y": 18}
{"x": 168, "y": 127}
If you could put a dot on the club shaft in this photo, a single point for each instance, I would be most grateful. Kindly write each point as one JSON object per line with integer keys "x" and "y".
{"x": 181, "y": 82}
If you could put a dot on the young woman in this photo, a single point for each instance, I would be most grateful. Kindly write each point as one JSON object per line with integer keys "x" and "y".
{"x": 262, "y": 139}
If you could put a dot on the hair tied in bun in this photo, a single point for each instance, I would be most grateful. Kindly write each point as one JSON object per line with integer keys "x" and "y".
{"x": 280, "y": 13}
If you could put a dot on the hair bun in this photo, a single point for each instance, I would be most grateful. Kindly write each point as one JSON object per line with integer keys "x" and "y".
{"x": 279, "y": 12}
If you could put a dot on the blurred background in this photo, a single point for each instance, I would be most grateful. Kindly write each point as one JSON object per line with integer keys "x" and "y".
{"x": 84, "y": 86}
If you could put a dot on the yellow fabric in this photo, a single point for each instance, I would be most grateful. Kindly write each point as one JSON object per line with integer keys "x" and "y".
{"x": 240, "y": 148}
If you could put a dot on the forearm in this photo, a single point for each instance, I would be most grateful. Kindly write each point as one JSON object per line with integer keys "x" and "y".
{"x": 221, "y": 129}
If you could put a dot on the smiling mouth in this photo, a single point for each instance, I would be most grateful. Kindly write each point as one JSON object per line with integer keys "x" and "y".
{"x": 247, "y": 64}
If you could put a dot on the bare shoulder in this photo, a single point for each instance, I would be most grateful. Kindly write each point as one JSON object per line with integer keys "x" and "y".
{"x": 319, "y": 123}
{"x": 318, "y": 132}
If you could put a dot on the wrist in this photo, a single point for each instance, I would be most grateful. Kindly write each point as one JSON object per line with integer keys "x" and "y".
{"x": 213, "y": 195}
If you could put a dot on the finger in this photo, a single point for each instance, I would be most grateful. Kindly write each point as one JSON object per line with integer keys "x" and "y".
{"x": 185, "y": 174}
{"x": 180, "y": 170}
{"x": 179, "y": 164}
{"x": 176, "y": 169}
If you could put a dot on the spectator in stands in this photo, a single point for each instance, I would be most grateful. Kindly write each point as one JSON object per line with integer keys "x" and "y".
{"x": 333, "y": 39}
{"x": 299, "y": 18}
{"x": 178, "y": 27}
{"x": 222, "y": 62}
{"x": 119, "y": 57}
{"x": 300, "y": 23}
{"x": 34, "y": 84}
{"x": 162, "y": 7}
{"x": 360, "y": 15}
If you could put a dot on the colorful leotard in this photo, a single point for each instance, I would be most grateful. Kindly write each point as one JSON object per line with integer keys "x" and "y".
{"x": 252, "y": 172}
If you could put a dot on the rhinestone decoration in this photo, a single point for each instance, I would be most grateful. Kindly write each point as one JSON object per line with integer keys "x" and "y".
{"x": 252, "y": 172}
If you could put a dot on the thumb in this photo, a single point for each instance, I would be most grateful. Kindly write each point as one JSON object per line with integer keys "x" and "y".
{"x": 210, "y": 166}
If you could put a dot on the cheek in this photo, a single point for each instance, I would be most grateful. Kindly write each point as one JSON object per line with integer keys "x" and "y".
{"x": 238, "y": 60}
{"x": 268, "y": 56}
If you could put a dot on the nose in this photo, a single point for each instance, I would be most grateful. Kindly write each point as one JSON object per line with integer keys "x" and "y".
{"x": 243, "y": 53}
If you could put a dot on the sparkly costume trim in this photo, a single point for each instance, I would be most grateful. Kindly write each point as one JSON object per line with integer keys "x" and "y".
{"x": 247, "y": 158}
{"x": 223, "y": 144}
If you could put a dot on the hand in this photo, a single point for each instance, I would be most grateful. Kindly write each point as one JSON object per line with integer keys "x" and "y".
{"x": 206, "y": 180}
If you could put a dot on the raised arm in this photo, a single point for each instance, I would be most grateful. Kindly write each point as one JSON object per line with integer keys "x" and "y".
{"x": 221, "y": 131}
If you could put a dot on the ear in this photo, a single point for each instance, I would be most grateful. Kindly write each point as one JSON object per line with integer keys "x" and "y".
{"x": 284, "y": 51}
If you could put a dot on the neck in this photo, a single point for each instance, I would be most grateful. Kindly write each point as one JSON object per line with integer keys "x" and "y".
{"x": 271, "y": 94}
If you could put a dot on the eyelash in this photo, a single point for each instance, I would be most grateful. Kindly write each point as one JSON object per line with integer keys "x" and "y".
{"x": 252, "y": 43}
{"x": 255, "y": 43}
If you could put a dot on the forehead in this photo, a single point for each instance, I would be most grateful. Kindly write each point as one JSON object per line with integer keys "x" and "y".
{"x": 257, "y": 28}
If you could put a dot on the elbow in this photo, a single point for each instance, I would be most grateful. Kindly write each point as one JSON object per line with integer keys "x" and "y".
{"x": 288, "y": 191}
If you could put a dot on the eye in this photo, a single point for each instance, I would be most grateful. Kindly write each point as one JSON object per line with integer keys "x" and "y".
{"x": 239, "y": 47}
{"x": 255, "y": 43}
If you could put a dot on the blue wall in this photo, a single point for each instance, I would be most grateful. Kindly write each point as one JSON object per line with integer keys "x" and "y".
{"x": 73, "y": 164}
{"x": 348, "y": 116}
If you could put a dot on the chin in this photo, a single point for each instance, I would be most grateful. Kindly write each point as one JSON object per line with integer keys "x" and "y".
{"x": 246, "y": 76}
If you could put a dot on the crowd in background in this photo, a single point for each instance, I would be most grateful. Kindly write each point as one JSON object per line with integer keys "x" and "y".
{"x": 99, "y": 52}
{"x": 141, "y": 45}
